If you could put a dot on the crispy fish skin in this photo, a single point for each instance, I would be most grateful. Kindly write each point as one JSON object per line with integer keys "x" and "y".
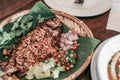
{"x": 38, "y": 45}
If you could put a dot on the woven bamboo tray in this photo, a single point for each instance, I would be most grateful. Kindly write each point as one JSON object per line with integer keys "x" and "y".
{"x": 73, "y": 23}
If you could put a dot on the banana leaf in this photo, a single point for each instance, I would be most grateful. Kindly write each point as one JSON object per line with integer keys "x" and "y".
{"x": 38, "y": 14}
{"x": 22, "y": 25}
{"x": 42, "y": 9}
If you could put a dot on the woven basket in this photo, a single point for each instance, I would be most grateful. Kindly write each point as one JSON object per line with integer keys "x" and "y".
{"x": 73, "y": 23}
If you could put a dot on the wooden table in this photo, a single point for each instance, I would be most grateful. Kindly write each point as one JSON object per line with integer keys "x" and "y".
{"x": 96, "y": 24}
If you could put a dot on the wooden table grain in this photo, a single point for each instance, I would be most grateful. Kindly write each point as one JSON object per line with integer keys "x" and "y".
{"x": 96, "y": 24}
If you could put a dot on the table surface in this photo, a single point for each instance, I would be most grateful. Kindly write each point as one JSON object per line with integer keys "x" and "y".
{"x": 96, "y": 24}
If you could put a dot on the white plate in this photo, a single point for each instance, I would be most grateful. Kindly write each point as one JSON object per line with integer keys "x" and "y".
{"x": 93, "y": 67}
{"x": 113, "y": 20}
{"x": 106, "y": 53}
{"x": 89, "y": 8}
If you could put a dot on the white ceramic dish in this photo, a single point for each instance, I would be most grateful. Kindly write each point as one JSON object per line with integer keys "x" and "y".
{"x": 89, "y": 8}
{"x": 94, "y": 72}
{"x": 113, "y": 20}
{"x": 107, "y": 51}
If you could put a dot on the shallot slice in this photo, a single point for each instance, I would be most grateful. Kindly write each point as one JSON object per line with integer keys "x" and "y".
{"x": 68, "y": 39}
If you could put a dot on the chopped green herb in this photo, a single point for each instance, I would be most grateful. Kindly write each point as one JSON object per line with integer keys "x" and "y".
{"x": 117, "y": 70}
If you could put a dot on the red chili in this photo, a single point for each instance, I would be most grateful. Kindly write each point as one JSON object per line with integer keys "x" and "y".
{"x": 5, "y": 52}
{"x": 62, "y": 63}
{"x": 75, "y": 55}
{"x": 59, "y": 56}
{"x": 67, "y": 68}
{"x": 62, "y": 52}
{"x": 57, "y": 61}
{"x": 74, "y": 47}
{"x": 55, "y": 54}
